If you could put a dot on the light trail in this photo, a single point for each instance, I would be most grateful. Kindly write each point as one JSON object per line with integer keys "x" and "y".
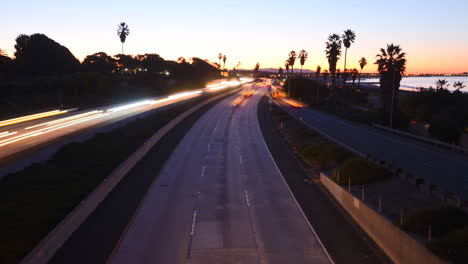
{"x": 31, "y": 117}
{"x": 291, "y": 102}
{"x": 2, "y": 135}
{"x": 133, "y": 105}
{"x": 64, "y": 119}
{"x": 46, "y": 130}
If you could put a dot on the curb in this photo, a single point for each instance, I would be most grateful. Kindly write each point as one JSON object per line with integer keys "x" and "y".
{"x": 53, "y": 241}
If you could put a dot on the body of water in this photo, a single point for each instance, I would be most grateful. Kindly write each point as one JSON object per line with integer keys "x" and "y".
{"x": 412, "y": 83}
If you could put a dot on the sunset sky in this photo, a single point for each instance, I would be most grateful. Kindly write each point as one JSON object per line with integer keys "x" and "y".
{"x": 432, "y": 33}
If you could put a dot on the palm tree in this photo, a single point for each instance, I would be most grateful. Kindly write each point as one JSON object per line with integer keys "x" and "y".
{"x": 362, "y": 64}
{"x": 354, "y": 75}
{"x": 291, "y": 60}
{"x": 440, "y": 84}
{"x": 224, "y": 61}
{"x": 317, "y": 71}
{"x": 220, "y": 58}
{"x": 302, "y": 58}
{"x": 458, "y": 85}
{"x": 348, "y": 38}
{"x": 391, "y": 65}
{"x": 286, "y": 66}
{"x": 333, "y": 52}
{"x": 123, "y": 31}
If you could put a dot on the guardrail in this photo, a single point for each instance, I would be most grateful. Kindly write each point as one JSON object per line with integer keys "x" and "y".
{"x": 424, "y": 139}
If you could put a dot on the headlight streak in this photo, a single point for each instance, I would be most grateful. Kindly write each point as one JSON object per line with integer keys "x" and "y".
{"x": 48, "y": 129}
{"x": 65, "y": 119}
{"x": 9, "y": 137}
{"x": 31, "y": 117}
{"x": 7, "y": 134}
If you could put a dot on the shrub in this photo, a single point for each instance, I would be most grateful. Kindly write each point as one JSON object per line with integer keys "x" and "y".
{"x": 324, "y": 154}
{"x": 361, "y": 171}
{"x": 443, "y": 219}
{"x": 453, "y": 246}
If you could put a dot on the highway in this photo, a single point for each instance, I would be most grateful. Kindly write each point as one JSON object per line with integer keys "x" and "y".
{"x": 23, "y": 133}
{"x": 220, "y": 199}
{"x": 445, "y": 169}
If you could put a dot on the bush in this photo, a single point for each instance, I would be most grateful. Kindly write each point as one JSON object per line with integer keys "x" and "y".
{"x": 453, "y": 246}
{"x": 443, "y": 220}
{"x": 362, "y": 171}
{"x": 323, "y": 154}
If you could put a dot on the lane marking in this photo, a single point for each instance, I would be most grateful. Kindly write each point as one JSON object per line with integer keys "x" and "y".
{"x": 193, "y": 222}
{"x": 203, "y": 171}
{"x": 247, "y": 197}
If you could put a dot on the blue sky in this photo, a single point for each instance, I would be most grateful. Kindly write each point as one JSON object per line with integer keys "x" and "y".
{"x": 433, "y": 33}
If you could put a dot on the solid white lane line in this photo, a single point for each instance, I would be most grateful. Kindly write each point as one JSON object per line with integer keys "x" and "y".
{"x": 203, "y": 171}
{"x": 193, "y": 222}
{"x": 247, "y": 197}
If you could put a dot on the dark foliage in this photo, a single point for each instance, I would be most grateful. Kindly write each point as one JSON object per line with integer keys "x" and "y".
{"x": 39, "y": 55}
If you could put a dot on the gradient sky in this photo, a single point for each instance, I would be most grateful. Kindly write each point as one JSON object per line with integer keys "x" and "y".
{"x": 433, "y": 33}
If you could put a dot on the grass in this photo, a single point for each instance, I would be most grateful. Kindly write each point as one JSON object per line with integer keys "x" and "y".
{"x": 33, "y": 201}
{"x": 449, "y": 229}
{"x": 443, "y": 220}
{"x": 452, "y": 247}
{"x": 360, "y": 171}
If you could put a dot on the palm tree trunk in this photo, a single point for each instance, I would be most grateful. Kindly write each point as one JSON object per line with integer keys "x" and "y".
{"x": 122, "y": 48}
{"x": 359, "y": 80}
{"x": 301, "y": 69}
{"x": 344, "y": 70}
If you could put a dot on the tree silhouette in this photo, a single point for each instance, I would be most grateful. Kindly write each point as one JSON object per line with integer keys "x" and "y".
{"x": 39, "y": 55}
{"x": 391, "y": 64}
{"x": 440, "y": 84}
{"x": 333, "y": 53}
{"x": 255, "y": 71}
{"x": 286, "y": 66}
{"x": 348, "y": 38}
{"x": 303, "y": 55}
{"x": 362, "y": 64}
{"x": 291, "y": 60}
{"x": 99, "y": 62}
{"x": 220, "y": 58}
{"x": 354, "y": 75}
{"x": 325, "y": 74}
{"x": 123, "y": 31}
{"x": 458, "y": 85}
{"x": 280, "y": 72}
{"x": 317, "y": 71}
{"x": 224, "y": 61}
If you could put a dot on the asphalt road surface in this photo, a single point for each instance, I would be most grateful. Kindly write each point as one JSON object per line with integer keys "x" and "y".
{"x": 440, "y": 167}
{"x": 220, "y": 199}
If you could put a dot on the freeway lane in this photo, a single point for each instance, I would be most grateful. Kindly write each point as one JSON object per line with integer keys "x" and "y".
{"x": 444, "y": 169}
{"x": 220, "y": 199}
{"x": 20, "y": 136}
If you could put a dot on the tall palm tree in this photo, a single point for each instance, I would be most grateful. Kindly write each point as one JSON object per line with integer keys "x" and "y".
{"x": 123, "y": 31}
{"x": 333, "y": 52}
{"x": 286, "y": 66}
{"x": 220, "y": 58}
{"x": 291, "y": 60}
{"x": 391, "y": 64}
{"x": 303, "y": 55}
{"x": 458, "y": 85}
{"x": 348, "y": 38}
{"x": 362, "y": 64}
{"x": 317, "y": 71}
{"x": 440, "y": 84}
{"x": 224, "y": 61}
